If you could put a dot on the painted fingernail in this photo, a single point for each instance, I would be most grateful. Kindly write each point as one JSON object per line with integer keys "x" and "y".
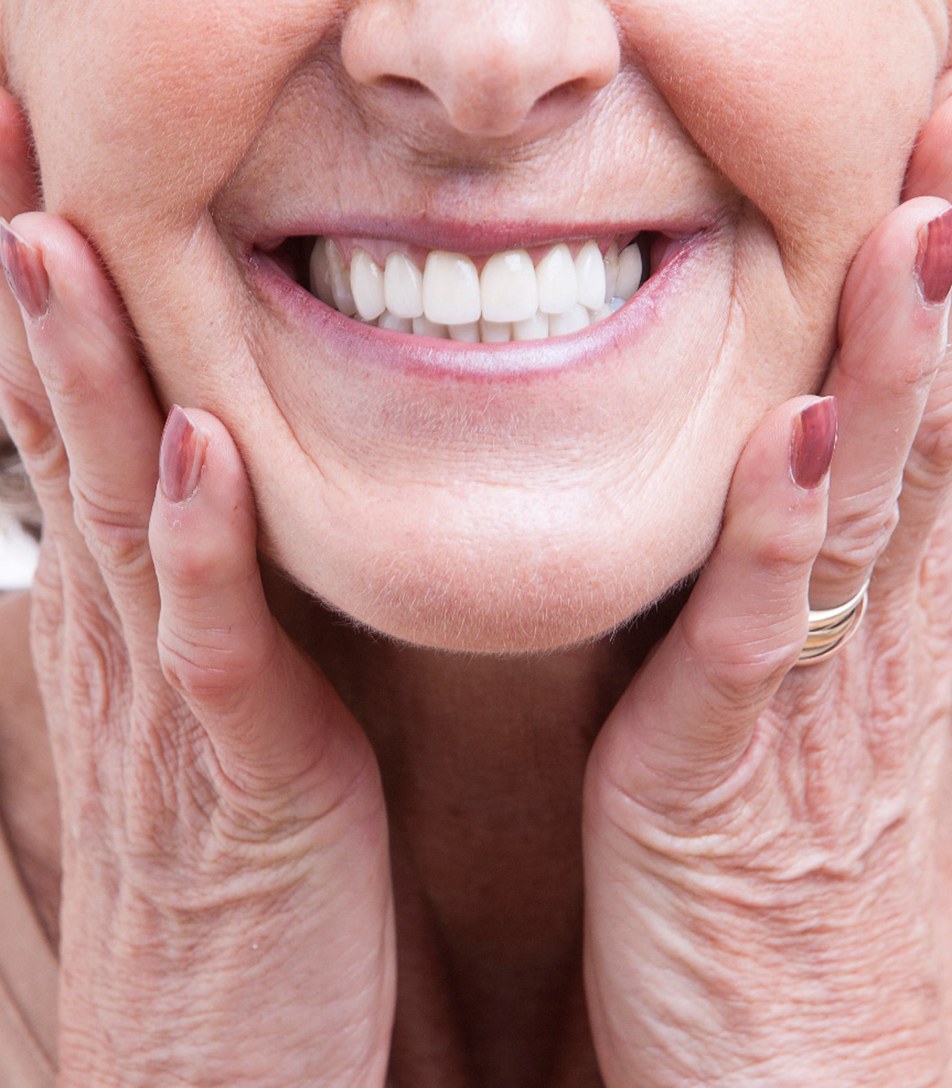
{"x": 181, "y": 457}
{"x": 813, "y": 442}
{"x": 934, "y": 261}
{"x": 26, "y": 275}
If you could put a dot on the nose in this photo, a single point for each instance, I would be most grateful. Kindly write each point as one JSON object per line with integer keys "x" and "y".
{"x": 486, "y": 68}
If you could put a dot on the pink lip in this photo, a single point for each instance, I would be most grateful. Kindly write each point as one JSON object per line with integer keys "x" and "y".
{"x": 423, "y": 356}
{"x": 458, "y": 236}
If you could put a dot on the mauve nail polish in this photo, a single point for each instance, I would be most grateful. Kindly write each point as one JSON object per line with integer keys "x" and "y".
{"x": 26, "y": 275}
{"x": 934, "y": 262}
{"x": 814, "y": 439}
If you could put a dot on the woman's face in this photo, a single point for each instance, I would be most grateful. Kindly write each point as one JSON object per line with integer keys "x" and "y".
{"x": 487, "y": 497}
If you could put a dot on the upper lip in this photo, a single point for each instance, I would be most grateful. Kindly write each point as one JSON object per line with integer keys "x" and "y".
{"x": 473, "y": 238}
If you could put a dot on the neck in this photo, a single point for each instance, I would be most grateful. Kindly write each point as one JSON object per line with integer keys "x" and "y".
{"x": 483, "y": 760}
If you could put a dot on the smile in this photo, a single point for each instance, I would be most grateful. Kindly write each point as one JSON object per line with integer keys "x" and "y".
{"x": 528, "y": 294}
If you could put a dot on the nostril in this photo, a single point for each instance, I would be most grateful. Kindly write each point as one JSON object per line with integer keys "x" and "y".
{"x": 488, "y": 64}
{"x": 572, "y": 88}
{"x": 402, "y": 83}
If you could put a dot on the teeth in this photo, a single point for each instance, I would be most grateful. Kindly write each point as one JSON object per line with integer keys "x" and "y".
{"x": 572, "y": 321}
{"x": 393, "y": 323}
{"x": 590, "y": 269}
{"x": 466, "y": 334}
{"x": 450, "y": 299}
{"x": 403, "y": 286}
{"x": 340, "y": 281}
{"x": 366, "y": 285}
{"x": 495, "y": 332}
{"x": 424, "y": 327}
{"x": 611, "y": 272}
{"x": 508, "y": 287}
{"x": 533, "y": 328}
{"x": 558, "y": 281}
{"x": 629, "y": 272}
{"x": 321, "y": 274}
{"x": 451, "y": 289}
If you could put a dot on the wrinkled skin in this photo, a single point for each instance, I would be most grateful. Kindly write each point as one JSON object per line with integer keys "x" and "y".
{"x": 764, "y": 852}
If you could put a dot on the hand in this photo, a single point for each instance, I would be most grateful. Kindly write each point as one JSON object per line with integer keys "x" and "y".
{"x": 227, "y": 909}
{"x": 769, "y": 852}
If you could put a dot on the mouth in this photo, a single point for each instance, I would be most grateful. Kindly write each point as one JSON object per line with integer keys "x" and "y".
{"x": 534, "y": 293}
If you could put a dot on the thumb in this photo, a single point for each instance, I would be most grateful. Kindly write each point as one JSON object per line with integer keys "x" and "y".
{"x": 689, "y": 715}
{"x": 271, "y": 715}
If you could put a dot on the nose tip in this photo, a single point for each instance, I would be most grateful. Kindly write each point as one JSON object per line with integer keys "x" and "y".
{"x": 485, "y": 68}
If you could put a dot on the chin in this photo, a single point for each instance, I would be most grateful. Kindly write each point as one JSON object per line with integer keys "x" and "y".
{"x": 501, "y": 588}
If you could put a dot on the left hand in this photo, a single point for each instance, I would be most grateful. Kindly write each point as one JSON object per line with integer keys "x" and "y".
{"x": 769, "y": 852}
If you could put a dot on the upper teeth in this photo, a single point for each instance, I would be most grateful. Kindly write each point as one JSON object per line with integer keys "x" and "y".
{"x": 510, "y": 299}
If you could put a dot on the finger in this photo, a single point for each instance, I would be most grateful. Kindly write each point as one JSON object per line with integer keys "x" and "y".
{"x": 926, "y": 488}
{"x": 101, "y": 399}
{"x": 18, "y": 193}
{"x": 893, "y": 321}
{"x": 688, "y": 717}
{"x": 270, "y": 714}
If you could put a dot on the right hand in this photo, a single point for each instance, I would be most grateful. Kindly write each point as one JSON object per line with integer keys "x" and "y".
{"x": 227, "y": 913}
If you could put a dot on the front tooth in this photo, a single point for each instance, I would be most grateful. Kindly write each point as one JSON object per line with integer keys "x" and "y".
{"x": 450, "y": 289}
{"x": 340, "y": 281}
{"x": 321, "y": 273}
{"x": 403, "y": 286}
{"x": 424, "y": 327}
{"x": 630, "y": 268}
{"x": 366, "y": 285}
{"x": 562, "y": 324}
{"x": 590, "y": 269}
{"x": 508, "y": 287}
{"x": 393, "y": 323}
{"x": 533, "y": 328}
{"x": 495, "y": 332}
{"x": 558, "y": 281}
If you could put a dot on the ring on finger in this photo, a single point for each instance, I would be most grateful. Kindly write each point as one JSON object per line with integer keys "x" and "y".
{"x": 829, "y": 629}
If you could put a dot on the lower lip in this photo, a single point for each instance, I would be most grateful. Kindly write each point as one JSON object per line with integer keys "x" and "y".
{"x": 424, "y": 356}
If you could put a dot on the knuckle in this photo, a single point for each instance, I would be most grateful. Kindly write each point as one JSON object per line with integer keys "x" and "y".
{"x": 115, "y": 536}
{"x": 786, "y": 554}
{"x": 189, "y": 560}
{"x": 203, "y": 670}
{"x": 855, "y": 543}
{"x": 741, "y": 660}
{"x": 96, "y": 668}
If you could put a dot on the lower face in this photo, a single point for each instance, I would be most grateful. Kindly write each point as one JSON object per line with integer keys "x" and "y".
{"x": 483, "y": 497}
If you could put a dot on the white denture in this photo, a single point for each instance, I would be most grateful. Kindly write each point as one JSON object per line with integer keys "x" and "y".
{"x": 558, "y": 281}
{"x": 403, "y": 286}
{"x": 508, "y": 287}
{"x": 511, "y": 298}
{"x": 366, "y": 285}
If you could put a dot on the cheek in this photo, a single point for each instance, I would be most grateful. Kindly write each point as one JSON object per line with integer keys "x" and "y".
{"x": 809, "y": 108}
{"x": 168, "y": 98}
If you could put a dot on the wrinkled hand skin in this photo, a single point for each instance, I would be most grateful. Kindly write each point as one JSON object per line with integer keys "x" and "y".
{"x": 769, "y": 851}
{"x": 226, "y": 910}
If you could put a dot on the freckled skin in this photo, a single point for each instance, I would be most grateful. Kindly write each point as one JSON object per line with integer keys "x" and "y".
{"x": 545, "y": 512}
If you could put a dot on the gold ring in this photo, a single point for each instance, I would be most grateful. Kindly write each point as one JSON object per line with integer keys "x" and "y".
{"x": 829, "y": 629}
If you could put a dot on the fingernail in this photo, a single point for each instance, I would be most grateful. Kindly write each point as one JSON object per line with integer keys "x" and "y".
{"x": 23, "y": 267}
{"x": 934, "y": 261}
{"x": 181, "y": 457}
{"x": 813, "y": 442}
